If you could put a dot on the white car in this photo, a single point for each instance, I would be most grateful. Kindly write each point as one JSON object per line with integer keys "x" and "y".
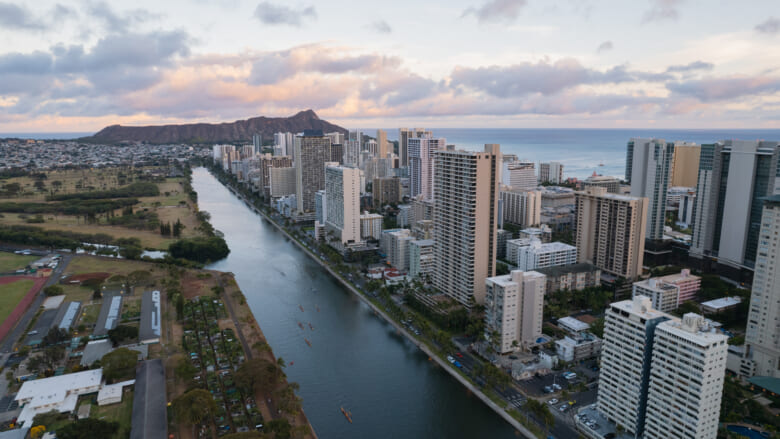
{"x": 450, "y": 359}
{"x": 552, "y": 401}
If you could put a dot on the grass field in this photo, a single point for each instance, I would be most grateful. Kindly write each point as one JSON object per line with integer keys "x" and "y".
{"x": 121, "y": 413}
{"x": 11, "y": 294}
{"x": 172, "y": 204}
{"x": 89, "y": 314}
{"x": 10, "y": 262}
{"x": 94, "y": 264}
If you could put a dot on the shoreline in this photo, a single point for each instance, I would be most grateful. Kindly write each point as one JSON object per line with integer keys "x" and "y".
{"x": 422, "y": 346}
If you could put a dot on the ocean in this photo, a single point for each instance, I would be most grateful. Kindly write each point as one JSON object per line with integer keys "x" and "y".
{"x": 582, "y": 151}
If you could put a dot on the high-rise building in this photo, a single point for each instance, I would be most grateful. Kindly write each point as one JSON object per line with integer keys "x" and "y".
{"x": 612, "y": 184}
{"x": 353, "y": 144}
{"x": 522, "y": 175}
{"x": 624, "y": 380}
{"x": 648, "y": 166}
{"x": 734, "y": 178}
{"x": 320, "y": 207}
{"x": 381, "y": 141}
{"x": 660, "y": 376}
{"x": 257, "y": 143}
{"x": 502, "y": 236}
{"x": 687, "y": 371}
{"x": 538, "y": 255}
{"x": 421, "y": 150}
{"x": 522, "y": 208}
{"x": 386, "y": 190}
{"x": 336, "y": 138}
{"x": 266, "y": 162}
{"x": 762, "y": 335}
{"x": 395, "y": 244}
{"x": 465, "y": 221}
{"x": 610, "y": 231}
{"x": 284, "y": 144}
{"x": 685, "y": 164}
{"x": 514, "y": 310}
{"x": 421, "y": 210}
{"x": 421, "y": 258}
{"x": 337, "y": 152}
{"x": 551, "y": 172}
{"x": 312, "y": 151}
{"x": 404, "y": 135}
{"x": 685, "y": 209}
{"x": 342, "y": 191}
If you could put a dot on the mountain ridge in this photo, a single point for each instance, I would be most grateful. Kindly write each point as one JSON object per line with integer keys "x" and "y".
{"x": 239, "y": 130}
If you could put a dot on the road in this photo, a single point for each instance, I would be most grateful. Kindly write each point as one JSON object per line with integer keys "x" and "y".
{"x": 17, "y": 332}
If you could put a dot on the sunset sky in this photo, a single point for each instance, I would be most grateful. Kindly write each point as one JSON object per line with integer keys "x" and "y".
{"x": 82, "y": 65}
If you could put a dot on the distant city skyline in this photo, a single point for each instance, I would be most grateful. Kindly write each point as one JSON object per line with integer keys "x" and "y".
{"x": 510, "y": 64}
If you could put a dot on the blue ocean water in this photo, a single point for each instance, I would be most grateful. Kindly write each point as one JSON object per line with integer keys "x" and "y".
{"x": 580, "y": 150}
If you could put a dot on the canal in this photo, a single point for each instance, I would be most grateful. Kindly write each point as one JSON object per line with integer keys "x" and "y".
{"x": 355, "y": 360}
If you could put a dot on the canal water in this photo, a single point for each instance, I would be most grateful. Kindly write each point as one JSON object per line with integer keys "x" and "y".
{"x": 356, "y": 360}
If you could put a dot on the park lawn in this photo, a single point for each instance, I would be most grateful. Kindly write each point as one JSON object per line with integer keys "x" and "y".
{"x": 122, "y": 413}
{"x": 182, "y": 213}
{"x": 11, "y": 294}
{"x": 10, "y": 262}
{"x": 77, "y": 293}
{"x": 90, "y": 179}
{"x": 93, "y": 264}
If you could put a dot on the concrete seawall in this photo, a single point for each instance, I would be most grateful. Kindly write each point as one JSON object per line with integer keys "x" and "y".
{"x": 423, "y": 347}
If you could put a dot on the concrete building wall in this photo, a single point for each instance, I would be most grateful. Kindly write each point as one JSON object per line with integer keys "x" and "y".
{"x": 342, "y": 192}
{"x": 311, "y": 152}
{"x": 282, "y": 181}
{"x": 685, "y": 165}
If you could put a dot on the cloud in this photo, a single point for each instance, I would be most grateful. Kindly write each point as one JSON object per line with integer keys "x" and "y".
{"x": 662, "y": 10}
{"x": 116, "y": 22}
{"x": 543, "y": 77}
{"x": 605, "y": 46}
{"x": 273, "y": 67}
{"x": 20, "y": 18}
{"x": 495, "y": 11}
{"x": 274, "y": 14}
{"x": 381, "y": 26}
{"x": 770, "y": 26}
{"x": 696, "y": 65}
{"x": 725, "y": 88}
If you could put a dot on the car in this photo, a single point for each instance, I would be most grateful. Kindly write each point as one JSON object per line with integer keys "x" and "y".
{"x": 457, "y": 364}
{"x": 564, "y": 407}
{"x": 32, "y": 332}
{"x": 552, "y": 401}
{"x": 459, "y": 355}
{"x": 450, "y": 359}
{"x": 548, "y": 389}
{"x": 556, "y": 386}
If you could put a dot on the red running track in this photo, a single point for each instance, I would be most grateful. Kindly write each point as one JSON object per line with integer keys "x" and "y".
{"x": 22, "y": 306}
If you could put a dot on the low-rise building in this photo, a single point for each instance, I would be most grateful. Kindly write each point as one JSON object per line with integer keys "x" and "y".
{"x": 542, "y": 233}
{"x": 539, "y": 255}
{"x": 719, "y": 305}
{"x": 574, "y": 277}
{"x": 371, "y": 226}
{"x": 578, "y": 347}
{"x": 664, "y": 296}
{"x": 58, "y": 393}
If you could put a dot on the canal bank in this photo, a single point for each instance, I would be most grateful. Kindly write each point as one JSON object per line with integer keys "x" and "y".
{"x": 432, "y": 355}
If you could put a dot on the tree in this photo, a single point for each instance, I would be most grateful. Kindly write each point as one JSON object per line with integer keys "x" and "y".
{"x": 185, "y": 370}
{"x": 121, "y": 333}
{"x": 52, "y": 290}
{"x": 281, "y": 428}
{"x": 194, "y": 406}
{"x": 597, "y": 327}
{"x": 258, "y": 375}
{"x": 119, "y": 364}
{"x": 87, "y": 429}
{"x": 55, "y": 336}
{"x": 139, "y": 278}
{"x": 53, "y": 354}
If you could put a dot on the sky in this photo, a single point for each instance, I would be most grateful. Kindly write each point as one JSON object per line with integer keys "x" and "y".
{"x": 82, "y": 65}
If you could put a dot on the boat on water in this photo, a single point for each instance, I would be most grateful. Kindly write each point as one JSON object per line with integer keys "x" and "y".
{"x": 301, "y": 307}
{"x": 307, "y": 341}
{"x": 347, "y": 414}
{"x": 318, "y": 309}
{"x": 291, "y": 363}
{"x": 300, "y": 325}
{"x": 311, "y": 326}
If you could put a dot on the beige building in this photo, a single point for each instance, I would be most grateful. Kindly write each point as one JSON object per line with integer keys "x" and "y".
{"x": 266, "y": 162}
{"x": 465, "y": 221}
{"x": 514, "y": 308}
{"x": 386, "y": 190}
{"x": 342, "y": 193}
{"x": 523, "y": 208}
{"x": 311, "y": 154}
{"x": 685, "y": 165}
{"x": 381, "y": 141}
{"x": 404, "y": 134}
{"x": 610, "y": 231}
{"x": 371, "y": 226}
{"x": 282, "y": 182}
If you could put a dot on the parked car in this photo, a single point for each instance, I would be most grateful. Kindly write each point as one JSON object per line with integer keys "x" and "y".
{"x": 552, "y": 401}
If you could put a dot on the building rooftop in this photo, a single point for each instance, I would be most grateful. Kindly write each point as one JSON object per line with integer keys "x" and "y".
{"x": 573, "y": 324}
{"x": 95, "y": 350}
{"x": 109, "y": 313}
{"x": 682, "y": 276}
{"x": 641, "y": 306}
{"x": 695, "y": 328}
{"x": 723, "y": 302}
{"x": 770, "y": 384}
{"x": 150, "y": 317}
{"x": 55, "y": 393}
